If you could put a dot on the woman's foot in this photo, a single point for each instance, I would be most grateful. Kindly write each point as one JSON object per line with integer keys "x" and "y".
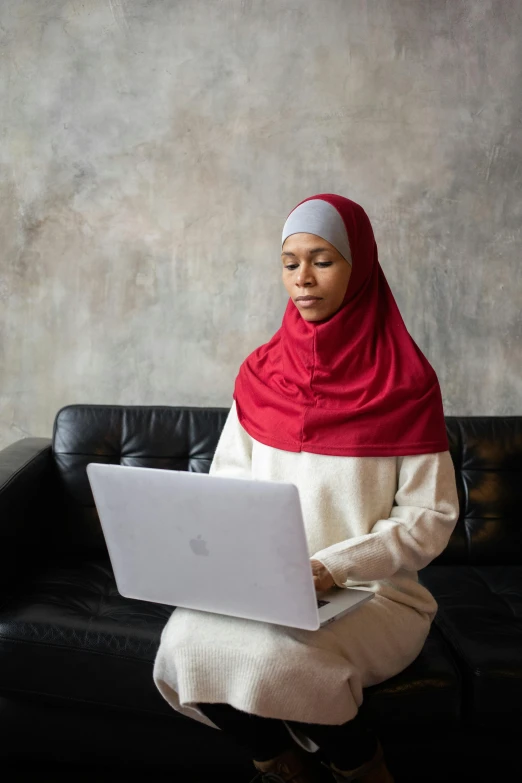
{"x": 372, "y": 771}
{"x": 291, "y": 766}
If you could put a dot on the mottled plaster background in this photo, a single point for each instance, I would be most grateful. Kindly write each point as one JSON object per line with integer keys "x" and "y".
{"x": 151, "y": 151}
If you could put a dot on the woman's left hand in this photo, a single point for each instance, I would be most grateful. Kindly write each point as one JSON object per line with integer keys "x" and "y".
{"x": 323, "y": 580}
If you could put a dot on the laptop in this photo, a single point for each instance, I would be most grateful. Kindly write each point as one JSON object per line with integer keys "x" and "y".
{"x": 234, "y": 546}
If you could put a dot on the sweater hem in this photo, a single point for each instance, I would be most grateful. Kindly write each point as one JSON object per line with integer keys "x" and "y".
{"x": 227, "y": 675}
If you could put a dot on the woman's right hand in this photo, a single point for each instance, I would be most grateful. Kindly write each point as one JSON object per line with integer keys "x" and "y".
{"x": 323, "y": 580}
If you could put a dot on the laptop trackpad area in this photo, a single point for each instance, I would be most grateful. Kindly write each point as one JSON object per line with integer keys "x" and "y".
{"x": 339, "y": 601}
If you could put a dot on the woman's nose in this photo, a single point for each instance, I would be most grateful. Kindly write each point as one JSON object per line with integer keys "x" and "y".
{"x": 304, "y": 276}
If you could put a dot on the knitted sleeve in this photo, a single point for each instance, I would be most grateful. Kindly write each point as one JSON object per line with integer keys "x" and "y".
{"x": 424, "y": 514}
{"x": 233, "y": 454}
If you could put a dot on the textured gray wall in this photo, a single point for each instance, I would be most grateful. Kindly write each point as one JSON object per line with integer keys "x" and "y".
{"x": 151, "y": 151}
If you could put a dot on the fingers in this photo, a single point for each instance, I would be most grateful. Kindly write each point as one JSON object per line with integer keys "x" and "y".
{"x": 323, "y": 583}
{"x": 323, "y": 579}
{"x": 319, "y": 584}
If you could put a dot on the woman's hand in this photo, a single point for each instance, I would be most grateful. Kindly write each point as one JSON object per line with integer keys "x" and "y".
{"x": 323, "y": 580}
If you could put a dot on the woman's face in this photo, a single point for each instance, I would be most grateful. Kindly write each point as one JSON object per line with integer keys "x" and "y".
{"x": 313, "y": 267}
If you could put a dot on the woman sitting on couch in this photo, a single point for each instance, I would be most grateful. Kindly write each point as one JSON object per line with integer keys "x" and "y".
{"x": 342, "y": 403}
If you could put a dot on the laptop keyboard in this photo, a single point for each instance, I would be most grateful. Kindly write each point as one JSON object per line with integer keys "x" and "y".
{"x": 322, "y": 603}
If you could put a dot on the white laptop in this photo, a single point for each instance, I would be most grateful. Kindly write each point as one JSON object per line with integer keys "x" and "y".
{"x": 233, "y": 546}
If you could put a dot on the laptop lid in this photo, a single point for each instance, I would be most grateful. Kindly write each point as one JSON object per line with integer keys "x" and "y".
{"x": 232, "y": 546}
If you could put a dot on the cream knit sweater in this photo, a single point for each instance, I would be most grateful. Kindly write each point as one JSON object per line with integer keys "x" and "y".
{"x": 373, "y": 522}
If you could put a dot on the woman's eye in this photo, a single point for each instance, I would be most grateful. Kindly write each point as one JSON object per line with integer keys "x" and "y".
{"x": 318, "y": 263}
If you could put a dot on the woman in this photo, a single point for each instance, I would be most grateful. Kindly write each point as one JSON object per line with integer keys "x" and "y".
{"x": 341, "y": 402}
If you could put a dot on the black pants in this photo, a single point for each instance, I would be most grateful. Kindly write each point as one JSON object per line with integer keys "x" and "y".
{"x": 347, "y": 746}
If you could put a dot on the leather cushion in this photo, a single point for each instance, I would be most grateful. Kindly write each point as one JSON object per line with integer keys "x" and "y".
{"x": 155, "y": 436}
{"x": 486, "y": 452}
{"x": 425, "y": 695}
{"x": 487, "y": 456}
{"x": 480, "y": 614}
{"x": 71, "y": 635}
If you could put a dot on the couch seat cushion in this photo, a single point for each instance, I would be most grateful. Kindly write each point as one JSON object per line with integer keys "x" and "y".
{"x": 426, "y": 696}
{"x": 69, "y": 634}
{"x": 480, "y": 614}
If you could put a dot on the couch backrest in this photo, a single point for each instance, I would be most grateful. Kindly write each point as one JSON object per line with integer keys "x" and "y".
{"x": 152, "y": 436}
{"x": 486, "y": 452}
{"x": 487, "y": 456}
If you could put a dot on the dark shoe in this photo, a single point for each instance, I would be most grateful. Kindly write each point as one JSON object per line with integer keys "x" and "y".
{"x": 372, "y": 771}
{"x": 291, "y": 766}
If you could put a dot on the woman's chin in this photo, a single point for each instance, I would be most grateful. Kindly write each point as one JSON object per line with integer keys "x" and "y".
{"x": 315, "y": 314}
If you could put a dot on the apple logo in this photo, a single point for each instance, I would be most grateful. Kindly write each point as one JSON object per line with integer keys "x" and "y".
{"x": 198, "y": 546}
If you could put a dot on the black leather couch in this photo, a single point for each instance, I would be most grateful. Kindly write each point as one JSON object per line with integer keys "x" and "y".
{"x": 76, "y": 657}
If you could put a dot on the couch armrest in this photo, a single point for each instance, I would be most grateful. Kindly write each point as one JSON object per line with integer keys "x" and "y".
{"x": 21, "y": 465}
{"x": 26, "y": 471}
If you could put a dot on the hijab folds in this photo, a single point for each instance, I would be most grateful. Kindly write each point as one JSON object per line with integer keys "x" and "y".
{"x": 354, "y": 384}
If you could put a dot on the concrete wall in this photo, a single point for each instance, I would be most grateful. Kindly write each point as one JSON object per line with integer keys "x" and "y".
{"x": 151, "y": 151}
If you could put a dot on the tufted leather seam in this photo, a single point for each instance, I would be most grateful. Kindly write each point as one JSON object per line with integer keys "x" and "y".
{"x": 119, "y": 455}
{"x": 123, "y": 410}
{"x": 203, "y": 410}
{"x": 75, "y": 649}
{"x": 55, "y": 635}
{"x": 459, "y": 479}
{"x": 464, "y": 659}
{"x": 494, "y": 592}
{"x": 447, "y": 632}
{"x": 6, "y": 692}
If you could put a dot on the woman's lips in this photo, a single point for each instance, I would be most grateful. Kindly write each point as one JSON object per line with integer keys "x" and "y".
{"x": 308, "y": 302}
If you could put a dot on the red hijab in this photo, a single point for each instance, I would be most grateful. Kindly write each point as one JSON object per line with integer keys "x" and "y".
{"x": 353, "y": 385}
